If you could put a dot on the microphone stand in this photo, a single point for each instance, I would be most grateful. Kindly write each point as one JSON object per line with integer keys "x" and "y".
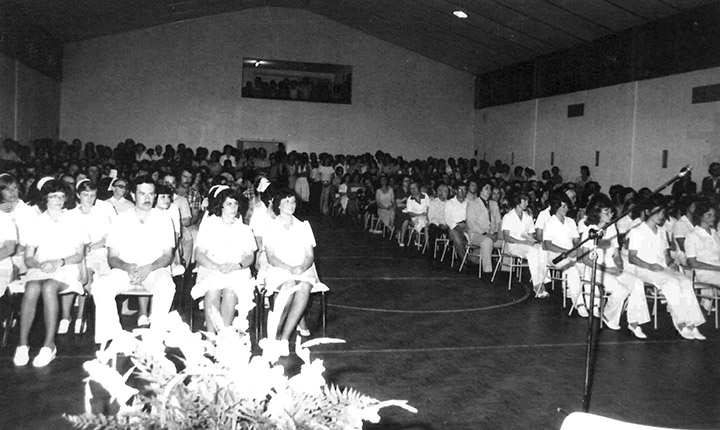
{"x": 591, "y": 332}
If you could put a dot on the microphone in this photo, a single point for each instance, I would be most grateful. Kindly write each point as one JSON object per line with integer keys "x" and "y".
{"x": 685, "y": 170}
{"x": 592, "y": 234}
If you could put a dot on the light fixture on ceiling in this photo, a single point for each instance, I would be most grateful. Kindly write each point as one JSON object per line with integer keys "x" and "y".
{"x": 460, "y": 14}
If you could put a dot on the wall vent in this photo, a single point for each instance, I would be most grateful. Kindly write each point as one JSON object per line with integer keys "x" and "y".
{"x": 576, "y": 110}
{"x": 706, "y": 94}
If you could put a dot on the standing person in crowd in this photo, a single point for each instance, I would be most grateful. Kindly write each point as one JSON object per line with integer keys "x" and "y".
{"x": 54, "y": 251}
{"x": 327, "y": 174}
{"x": 119, "y": 188}
{"x": 483, "y": 225}
{"x": 289, "y": 245}
{"x": 225, "y": 250}
{"x": 140, "y": 250}
{"x": 518, "y": 231}
{"x": 650, "y": 254}
{"x": 302, "y": 184}
{"x": 620, "y": 283}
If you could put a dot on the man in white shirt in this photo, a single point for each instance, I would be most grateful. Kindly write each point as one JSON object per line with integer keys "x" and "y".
{"x": 140, "y": 250}
{"x": 436, "y": 215}
{"x": 186, "y": 218}
{"x": 455, "y": 216}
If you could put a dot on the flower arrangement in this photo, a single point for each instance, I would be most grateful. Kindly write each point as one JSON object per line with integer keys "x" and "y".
{"x": 185, "y": 380}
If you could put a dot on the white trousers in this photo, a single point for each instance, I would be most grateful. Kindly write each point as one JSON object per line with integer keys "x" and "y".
{"x": 678, "y": 290}
{"x": 622, "y": 287}
{"x": 105, "y": 288}
{"x": 536, "y": 257}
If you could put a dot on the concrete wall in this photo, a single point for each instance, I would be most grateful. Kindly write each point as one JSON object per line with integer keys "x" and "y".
{"x": 181, "y": 83}
{"x": 29, "y": 102}
{"x": 629, "y": 124}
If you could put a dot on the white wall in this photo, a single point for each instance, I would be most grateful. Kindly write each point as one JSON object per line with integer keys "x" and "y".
{"x": 29, "y": 102}
{"x": 630, "y": 124}
{"x": 181, "y": 83}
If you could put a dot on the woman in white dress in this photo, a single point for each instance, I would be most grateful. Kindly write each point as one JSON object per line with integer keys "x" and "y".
{"x": 53, "y": 255}
{"x": 302, "y": 184}
{"x": 649, "y": 252}
{"x": 385, "y": 200}
{"x": 23, "y": 215}
{"x": 224, "y": 250}
{"x": 291, "y": 272}
{"x": 518, "y": 230}
{"x": 96, "y": 216}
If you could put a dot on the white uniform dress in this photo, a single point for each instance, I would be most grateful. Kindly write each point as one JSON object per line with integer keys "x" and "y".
{"x": 97, "y": 224}
{"x": 224, "y": 243}
{"x": 24, "y": 217}
{"x": 706, "y": 249}
{"x": 55, "y": 240}
{"x": 289, "y": 246}
{"x": 8, "y": 231}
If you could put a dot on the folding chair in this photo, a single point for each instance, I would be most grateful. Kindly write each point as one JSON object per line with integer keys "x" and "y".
{"x": 514, "y": 263}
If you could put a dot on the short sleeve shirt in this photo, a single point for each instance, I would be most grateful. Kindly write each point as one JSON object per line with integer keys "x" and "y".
{"x": 542, "y": 219}
{"x": 55, "y": 239}
{"x": 561, "y": 233}
{"x": 518, "y": 228}
{"x": 703, "y": 246}
{"x": 8, "y": 231}
{"x": 682, "y": 228}
{"x": 98, "y": 221}
{"x": 289, "y": 244}
{"x": 225, "y": 243}
{"x": 141, "y": 242}
{"x": 650, "y": 246}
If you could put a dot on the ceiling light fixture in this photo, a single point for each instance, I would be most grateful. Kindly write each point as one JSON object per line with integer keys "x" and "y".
{"x": 460, "y": 14}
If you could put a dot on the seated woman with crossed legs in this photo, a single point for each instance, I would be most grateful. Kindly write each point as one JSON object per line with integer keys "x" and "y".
{"x": 291, "y": 272}
{"x": 53, "y": 253}
{"x": 649, "y": 252}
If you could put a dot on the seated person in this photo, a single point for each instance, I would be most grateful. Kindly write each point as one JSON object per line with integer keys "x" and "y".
{"x": 455, "y": 217}
{"x": 385, "y": 201}
{"x": 96, "y": 216}
{"x": 140, "y": 250}
{"x": 620, "y": 283}
{"x": 702, "y": 248}
{"x": 649, "y": 253}
{"x": 119, "y": 201}
{"x": 417, "y": 208}
{"x": 560, "y": 234}
{"x": 23, "y": 215}
{"x": 53, "y": 254}
{"x": 291, "y": 272}
{"x": 682, "y": 228}
{"x": 436, "y": 214}
{"x": 518, "y": 231}
{"x": 225, "y": 250}
{"x": 483, "y": 225}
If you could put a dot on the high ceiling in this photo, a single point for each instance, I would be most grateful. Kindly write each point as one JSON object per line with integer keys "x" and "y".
{"x": 495, "y": 34}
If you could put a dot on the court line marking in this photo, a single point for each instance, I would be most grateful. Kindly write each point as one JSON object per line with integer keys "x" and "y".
{"x": 388, "y": 278}
{"x": 498, "y": 347}
{"x": 358, "y": 257}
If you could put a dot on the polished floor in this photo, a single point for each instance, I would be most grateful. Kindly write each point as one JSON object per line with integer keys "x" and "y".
{"x": 465, "y": 353}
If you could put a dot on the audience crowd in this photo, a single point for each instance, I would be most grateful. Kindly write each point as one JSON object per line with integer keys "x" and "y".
{"x": 83, "y": 218}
